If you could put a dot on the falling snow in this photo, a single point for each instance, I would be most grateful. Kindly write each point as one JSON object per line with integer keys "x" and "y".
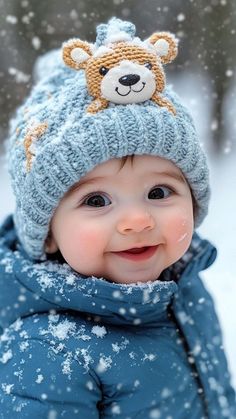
{"x": 20, "y": 76}
{"x": 68, "y": 330}
{"x": 11, "y": 19}
{"x": 36, "y": 42}
{"x": 181, "y": 17}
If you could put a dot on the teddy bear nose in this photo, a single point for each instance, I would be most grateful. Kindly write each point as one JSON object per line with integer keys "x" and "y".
{"x": 129, "y": 79}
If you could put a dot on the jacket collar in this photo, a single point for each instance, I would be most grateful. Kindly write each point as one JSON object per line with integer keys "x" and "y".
{"x": 33, "y": 287}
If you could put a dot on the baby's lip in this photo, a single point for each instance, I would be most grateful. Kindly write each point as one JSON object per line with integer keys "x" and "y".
{"x": 145, "y": 246}
{"x": 138, "y": 254}
{"x": 136, "y": 249}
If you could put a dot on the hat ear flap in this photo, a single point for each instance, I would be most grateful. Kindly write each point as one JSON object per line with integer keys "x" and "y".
{"x": 76, "y": 53}
{"x": 166, "y": 46}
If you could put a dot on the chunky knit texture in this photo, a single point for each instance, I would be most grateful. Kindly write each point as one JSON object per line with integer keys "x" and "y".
{"x": 66, "y": 143}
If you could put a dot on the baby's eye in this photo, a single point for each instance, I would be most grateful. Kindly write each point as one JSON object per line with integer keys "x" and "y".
{"x": 160, "y": 192}
{"x": 97, "y": 200}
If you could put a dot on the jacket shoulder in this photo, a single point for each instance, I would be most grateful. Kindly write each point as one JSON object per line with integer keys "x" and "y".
{"x": 40, "y": 365}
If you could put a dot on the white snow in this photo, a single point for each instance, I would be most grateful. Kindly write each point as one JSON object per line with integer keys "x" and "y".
{"x": 6, "y": 356}
{"x": 19, "y": 76}
{"x": 63, "y": 330}
{"x": 7, "y": 388}
{"x": 36, "y": 42}
{"x": 66, "y": 365}
{"x": 26, "y": 19}
{"x": 89, "y": 385}
{"x": 102, "y": 51}
{"x": 84, "y": 358}
{"x": 45, "y": 282}
{"x": 181, "y": 17}
{"x": 11, "y": 19}
{"x": 155, "y": 414}
{"x": 104, "y": 364}
{"x": 23, "y": 346}
{"x": 116, "y": 347}
{"x": 229, "y": 72}
{"x": 99, "y": 331}
{"x": 52, "y": 414}
{"x": 116, "y": 409}
{"x": 114, "y": 34}
{"x": 166, "y": 392}
{"x": 39, "y": 379}
{"x": 122, "y": 310}
{"x": 149, "y": 357}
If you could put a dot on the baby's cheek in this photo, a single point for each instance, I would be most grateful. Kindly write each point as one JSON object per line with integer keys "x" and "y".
{"x": 181, "y": 229}
{"x": 90, "y": 238}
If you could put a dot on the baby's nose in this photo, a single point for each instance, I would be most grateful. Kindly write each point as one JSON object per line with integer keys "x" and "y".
{"x": 135, "y": 223}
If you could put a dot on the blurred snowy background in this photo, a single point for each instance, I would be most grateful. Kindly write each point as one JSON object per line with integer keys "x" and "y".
{"x": 203, "y": 74}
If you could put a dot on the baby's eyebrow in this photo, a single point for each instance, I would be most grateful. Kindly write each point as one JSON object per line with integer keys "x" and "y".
{"x": 86, "y": 182}
{"x": 172, "y": 174}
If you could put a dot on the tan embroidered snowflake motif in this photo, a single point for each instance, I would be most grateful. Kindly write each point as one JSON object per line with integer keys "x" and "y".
{"x": 33, "y": 134}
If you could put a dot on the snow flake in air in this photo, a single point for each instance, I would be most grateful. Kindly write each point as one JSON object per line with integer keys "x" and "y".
{"x": 11, "y": 19}
{"x": 155, "y": 414}
{"x": 115, "y": 408}
{"x": 89, "y": 385}
{"x": 36, "y": 42}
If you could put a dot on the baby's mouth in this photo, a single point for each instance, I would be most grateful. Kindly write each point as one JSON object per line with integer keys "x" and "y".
{"x": 135, "y": 250}
{"x": 138, "y": 253}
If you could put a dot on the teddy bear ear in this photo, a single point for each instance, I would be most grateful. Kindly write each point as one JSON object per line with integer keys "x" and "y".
{"x": 165, "y": 44}
{"x": 76, "y": 53}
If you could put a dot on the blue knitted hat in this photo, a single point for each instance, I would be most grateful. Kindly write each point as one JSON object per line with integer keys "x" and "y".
{"x": 91, "y": 103}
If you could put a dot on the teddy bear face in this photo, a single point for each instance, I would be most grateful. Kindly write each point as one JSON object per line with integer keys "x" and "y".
{"x": 125, "y": 75}
{"x": 122, "y": 69}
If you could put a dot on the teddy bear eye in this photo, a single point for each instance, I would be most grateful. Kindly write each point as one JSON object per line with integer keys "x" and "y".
{"x": 148, "y": 65}
{"x": 103, "y": 71}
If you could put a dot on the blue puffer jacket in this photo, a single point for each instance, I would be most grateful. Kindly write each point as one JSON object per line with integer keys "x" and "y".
{"x": 79, "y": 347}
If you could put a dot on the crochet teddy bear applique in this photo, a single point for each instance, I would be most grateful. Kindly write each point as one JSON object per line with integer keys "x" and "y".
{"x": 121, "y": 68}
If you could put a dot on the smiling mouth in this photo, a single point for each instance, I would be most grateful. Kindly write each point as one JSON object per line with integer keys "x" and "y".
{"x": 138, "y": 254}
{"x": 130, "y": 90}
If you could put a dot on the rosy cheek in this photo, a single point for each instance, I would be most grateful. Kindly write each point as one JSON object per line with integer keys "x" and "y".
{"x": 181, "y": 228}
{"x": 88, "y": 237}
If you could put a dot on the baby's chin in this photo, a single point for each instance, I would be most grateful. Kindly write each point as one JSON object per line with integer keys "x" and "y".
{"x": 131, "y": 279}
{"x": 125, "y": 276}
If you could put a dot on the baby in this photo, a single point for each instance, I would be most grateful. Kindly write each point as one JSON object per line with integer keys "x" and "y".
{"x": 125, "y": 225}
{"x": 102, "y": 309}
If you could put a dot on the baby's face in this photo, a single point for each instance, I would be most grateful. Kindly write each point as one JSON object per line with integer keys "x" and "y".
{"x": 146, "y": 204}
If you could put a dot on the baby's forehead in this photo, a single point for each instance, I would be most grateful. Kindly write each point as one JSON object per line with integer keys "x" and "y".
{"x": 134, "y": 165}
